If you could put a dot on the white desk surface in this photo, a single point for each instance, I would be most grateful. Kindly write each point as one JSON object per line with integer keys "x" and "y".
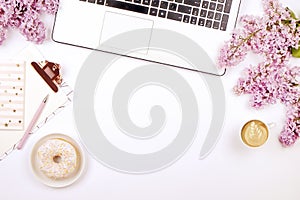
{"x": 231, "y": 171}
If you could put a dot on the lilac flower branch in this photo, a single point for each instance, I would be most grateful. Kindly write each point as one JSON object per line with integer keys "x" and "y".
{"x": 243, "y": 40}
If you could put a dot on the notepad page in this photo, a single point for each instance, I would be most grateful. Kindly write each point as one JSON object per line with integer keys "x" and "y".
{"x": 12, "y": 95}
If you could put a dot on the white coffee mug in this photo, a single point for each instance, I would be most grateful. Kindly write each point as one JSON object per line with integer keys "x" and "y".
{"x": 255, "y": 133}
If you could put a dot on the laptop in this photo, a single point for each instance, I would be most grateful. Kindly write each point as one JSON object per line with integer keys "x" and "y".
{"x": 96, "y": 25}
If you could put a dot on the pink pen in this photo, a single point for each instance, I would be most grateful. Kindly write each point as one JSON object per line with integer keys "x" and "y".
{"x": 32, "y": 123}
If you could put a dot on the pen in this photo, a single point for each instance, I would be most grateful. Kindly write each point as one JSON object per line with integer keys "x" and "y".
{"x": 32, "y": 123}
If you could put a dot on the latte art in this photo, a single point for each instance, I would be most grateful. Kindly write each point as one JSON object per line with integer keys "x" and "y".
{"x": 254, "y": 133}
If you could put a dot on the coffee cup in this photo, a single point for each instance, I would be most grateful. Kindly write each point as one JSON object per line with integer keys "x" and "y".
{"x": 255, "y": 133}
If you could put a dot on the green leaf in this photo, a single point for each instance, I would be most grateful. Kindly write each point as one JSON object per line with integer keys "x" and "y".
{"x": 296, "y": 52}
{"x": 293, "y": 15}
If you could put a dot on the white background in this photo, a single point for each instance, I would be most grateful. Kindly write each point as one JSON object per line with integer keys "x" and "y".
{"x": 231, "y": 171}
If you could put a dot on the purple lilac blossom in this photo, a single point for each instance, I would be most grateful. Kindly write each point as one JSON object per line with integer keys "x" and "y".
{"x": 291, "y": 130}
{"x": 24, "y": 16}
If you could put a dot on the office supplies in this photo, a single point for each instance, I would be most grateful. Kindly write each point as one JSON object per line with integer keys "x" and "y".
{"x": 32, "y": 122}
{"x": 49, "y": 71}
{"x": 12, "y": 86}
{"x": 206, "y": 22}
{"x": 36, "y": 87}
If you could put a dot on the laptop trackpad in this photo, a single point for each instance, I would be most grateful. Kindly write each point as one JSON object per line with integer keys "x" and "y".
{"x": 122, "y": 26}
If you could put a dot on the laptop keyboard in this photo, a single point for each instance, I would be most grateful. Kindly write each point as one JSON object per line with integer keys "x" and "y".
{"x": 210, "y": 13}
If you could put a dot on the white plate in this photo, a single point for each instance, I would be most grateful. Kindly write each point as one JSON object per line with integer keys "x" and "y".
{"x": 57, "y": 182}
